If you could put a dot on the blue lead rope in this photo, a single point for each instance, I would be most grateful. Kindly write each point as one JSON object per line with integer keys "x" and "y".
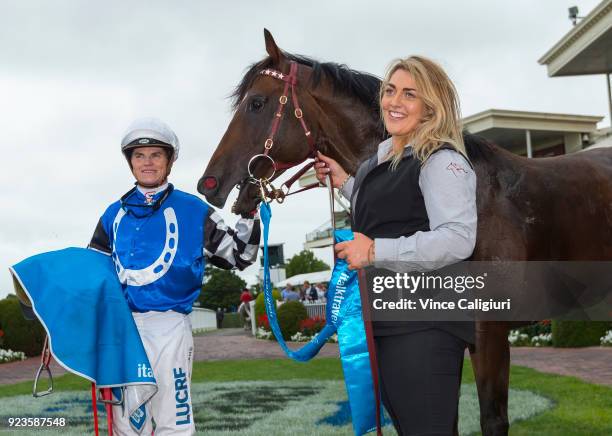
{"x": 343, "y": 315}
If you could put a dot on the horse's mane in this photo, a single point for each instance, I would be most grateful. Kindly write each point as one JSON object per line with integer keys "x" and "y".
{"x": 345, "y": 81}
{"x": 355, "y": 84}
{"x": 478, "y": 148}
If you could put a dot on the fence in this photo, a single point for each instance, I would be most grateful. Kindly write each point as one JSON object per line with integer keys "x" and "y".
{"x": 203, "y": 319}
{"x": 315, "y": 309}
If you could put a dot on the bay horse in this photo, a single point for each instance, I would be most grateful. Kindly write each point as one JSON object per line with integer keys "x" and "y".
{"x": 557, "y": 208}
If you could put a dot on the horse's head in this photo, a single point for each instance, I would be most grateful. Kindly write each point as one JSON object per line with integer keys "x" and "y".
{"x": 256, "y": 108}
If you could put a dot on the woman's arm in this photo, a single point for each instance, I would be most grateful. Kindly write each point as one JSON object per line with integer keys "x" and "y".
{"x": 448, "y": 184}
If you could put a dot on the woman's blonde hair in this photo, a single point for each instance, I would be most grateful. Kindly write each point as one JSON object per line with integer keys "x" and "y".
{"x": 441, "y": 122}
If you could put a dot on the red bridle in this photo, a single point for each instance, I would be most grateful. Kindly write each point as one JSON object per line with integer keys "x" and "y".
{"x": 291, "y": 81}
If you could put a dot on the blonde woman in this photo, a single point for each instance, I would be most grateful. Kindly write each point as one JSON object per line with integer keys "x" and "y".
{"x": 414, "y": 204}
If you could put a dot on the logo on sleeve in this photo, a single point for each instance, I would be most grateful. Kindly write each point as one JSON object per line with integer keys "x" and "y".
{"x": 456, "y": 169}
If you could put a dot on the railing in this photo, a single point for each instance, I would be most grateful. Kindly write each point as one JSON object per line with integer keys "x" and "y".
{"x": 203, "y": 319}
{"x": 315, "y": 309}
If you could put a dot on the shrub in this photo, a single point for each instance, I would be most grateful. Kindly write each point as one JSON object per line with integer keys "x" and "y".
{"x": 290, "y": 314}
{"x": 260, "y": 307}
{"x": 232, "y": 320}
{"x": 537, "y": 328}
{"x": 312, "y": 326}
{"x": 19, "y": 333}
{"x": 578, "y": 333}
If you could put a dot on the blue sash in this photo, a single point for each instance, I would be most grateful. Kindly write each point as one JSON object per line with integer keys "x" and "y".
{"x": 77, "y": 297}
{"x": 343, "y": 315}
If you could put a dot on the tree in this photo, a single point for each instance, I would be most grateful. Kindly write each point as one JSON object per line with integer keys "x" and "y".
{"x": 222, "y": 289}
{"x": 304, "y": 262}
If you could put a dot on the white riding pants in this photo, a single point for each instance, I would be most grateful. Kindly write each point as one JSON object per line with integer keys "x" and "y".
{"x": 168, "y": 341}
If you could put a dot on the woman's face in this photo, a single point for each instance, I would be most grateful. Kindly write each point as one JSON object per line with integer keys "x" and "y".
{"x": 401, "y": 104}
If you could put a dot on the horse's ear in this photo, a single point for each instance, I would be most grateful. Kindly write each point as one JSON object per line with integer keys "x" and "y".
{"x": 275, "y": 53}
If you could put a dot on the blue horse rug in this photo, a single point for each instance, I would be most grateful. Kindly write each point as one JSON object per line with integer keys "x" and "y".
{"x": 76, "y": 295}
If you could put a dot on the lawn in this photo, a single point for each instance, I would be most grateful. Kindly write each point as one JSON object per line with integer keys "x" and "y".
{"x": 579, "y": 408}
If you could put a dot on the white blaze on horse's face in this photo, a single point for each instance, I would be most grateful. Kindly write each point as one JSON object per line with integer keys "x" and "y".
{"x": 150, "y": 166}
{"x": 402, "y": 107}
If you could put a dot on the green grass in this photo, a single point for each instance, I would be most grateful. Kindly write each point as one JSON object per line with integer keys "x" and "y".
{"x": 580, "y": 408}
{"x": 218, "y": 371}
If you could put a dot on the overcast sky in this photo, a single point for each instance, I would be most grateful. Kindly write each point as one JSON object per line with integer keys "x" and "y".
{"x": 74, "y": 74}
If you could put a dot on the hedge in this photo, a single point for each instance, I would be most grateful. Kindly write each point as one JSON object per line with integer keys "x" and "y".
{"x": 578, "y": 333}
{"x": 290, "y": 315}
{"x": 232, "y": 320}
{"x": 260, "y": 307}
{"x": 19, "y": 333}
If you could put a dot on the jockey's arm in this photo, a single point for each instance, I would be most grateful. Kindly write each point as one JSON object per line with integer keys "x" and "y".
{"x": 229, "y": 248}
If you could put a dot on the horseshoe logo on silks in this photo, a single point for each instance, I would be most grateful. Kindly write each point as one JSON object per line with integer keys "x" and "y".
{"x": 155, "y": 271}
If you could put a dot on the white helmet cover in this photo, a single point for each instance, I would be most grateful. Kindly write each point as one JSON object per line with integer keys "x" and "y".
{"x": 150, "y": 132}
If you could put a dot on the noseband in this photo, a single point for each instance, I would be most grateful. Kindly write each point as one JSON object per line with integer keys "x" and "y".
{"x": 267, "y": 190}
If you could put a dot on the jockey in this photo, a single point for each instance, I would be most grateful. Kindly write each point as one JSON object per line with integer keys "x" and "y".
{"x": 160, "y": 239}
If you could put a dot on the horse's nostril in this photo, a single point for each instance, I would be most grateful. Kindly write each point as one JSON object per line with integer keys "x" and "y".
{"x": 210, "y": 182}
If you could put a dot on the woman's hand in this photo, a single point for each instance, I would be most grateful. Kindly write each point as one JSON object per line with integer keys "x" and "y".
{"x": 326, "y": 165}
{"x": 358, "y": 253}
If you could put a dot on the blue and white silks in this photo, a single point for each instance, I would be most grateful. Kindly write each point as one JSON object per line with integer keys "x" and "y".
{"x": 158, "y": 255}
{"x": 343, "y": 316}
{"x": 76, "y": 295}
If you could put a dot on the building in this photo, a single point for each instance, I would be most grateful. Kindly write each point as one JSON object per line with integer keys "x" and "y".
{"x": 586, "y": 49}
{"x": 534, "y": 134}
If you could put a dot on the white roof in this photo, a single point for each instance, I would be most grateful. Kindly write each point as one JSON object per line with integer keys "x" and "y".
{"x": 606, "y": 142}
{"x": 299, "y": 279}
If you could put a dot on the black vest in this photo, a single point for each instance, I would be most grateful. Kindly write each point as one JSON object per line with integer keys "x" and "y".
{"x": 389, "y": 204}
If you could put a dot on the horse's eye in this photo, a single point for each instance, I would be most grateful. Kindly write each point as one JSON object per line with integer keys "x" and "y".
{"x": 256, "y": 104}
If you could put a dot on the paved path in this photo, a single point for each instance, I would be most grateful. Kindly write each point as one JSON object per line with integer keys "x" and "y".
{"x": 14, "y": 372}
{"x": 592, "y": 364}
{"x": 241, "y": 345}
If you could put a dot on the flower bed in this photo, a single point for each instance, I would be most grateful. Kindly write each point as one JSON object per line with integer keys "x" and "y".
{"x": 10, "y": 355}
{"x": 308, "y": 329}
{"x": 534, "y": 335}
{"x": 606, "y": 340}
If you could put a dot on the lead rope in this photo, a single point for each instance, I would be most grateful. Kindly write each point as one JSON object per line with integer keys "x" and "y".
{"x": 330, "y": 191}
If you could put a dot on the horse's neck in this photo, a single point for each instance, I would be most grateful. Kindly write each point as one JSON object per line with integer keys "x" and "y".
{"x": 351, "y": 131}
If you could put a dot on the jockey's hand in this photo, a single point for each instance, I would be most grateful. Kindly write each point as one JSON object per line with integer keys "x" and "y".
{"x": 358, "y": 253}
{"x": 326, "y": 165}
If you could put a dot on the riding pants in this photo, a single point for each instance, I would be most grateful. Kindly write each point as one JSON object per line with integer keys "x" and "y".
{"x": 420, "y": 378}
{"x": 168, "y": 341}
